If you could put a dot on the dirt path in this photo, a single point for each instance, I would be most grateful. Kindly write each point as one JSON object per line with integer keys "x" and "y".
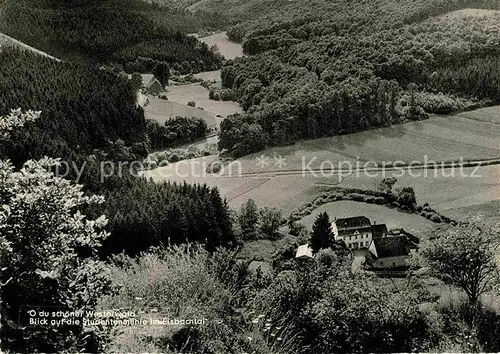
{"x": 346, "y": 172}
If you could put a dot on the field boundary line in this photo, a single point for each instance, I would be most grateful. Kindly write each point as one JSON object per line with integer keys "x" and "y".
{"x": 388, "y": 167}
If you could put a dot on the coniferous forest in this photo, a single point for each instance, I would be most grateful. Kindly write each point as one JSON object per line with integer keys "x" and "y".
{"x": 111, "y": 32}
{"x": 83, "y": 107}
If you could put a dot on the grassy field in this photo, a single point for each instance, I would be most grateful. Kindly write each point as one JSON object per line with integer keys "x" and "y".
{"x": 380, "y": 214}
{"x": 228, "y": 49}
{"x": 438, "y": 138}
{"x": 197, "y": 93}
{"x": 487, "y": 115}
{"x": 209, "y": 75}
{"x": 444, "y": 189}
{"x": 469, "y": 14}
{"x": 162, "y": 110}
{"x": 284, "y": 192}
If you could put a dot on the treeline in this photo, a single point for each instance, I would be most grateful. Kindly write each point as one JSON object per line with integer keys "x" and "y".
{"x": 331, "y": 69}
{"x": 109, "y": 32}
{"x": 143, "y": 214}
{"x": 176, "y": 131}
{"x": 83, "y": 108}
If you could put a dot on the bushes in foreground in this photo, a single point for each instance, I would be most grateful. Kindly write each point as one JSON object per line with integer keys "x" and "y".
{"x": 186, "y": 283}
{"x": 402, "y": 199}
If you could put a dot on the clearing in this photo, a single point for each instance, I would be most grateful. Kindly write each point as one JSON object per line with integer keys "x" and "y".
{"x": 468, "y": 14}
{"x": 194, "y": 92}
{"x": 228, "y": 49}
{"x": 162, "y": 110}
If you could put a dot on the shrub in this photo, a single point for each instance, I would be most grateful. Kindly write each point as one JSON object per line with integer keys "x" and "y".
{"x": 436, "y": 218}
{"x": 319, "y": 202}
{"x": 440, "y": 103}
{"x": 174, "y": 157}
{"x": 356, "y": 196}
{"x": 47, "y": 259}
{"x": 214, "y": 167}
{"x": 191, "y": 104}
{"x": 370, "y": 199}
{"x": 227, "y": 95}
{"x": 182, "y": 282}
{"x": 379, "y": 200}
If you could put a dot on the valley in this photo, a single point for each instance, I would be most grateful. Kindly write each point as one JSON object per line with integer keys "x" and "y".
{"x": 339, "y": 193}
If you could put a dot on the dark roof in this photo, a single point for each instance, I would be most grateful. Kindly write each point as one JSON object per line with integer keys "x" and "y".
{"x": 392, "y": 246}
{"x": 403, "y": 232}
{"x": 356, "y": 222}
{"x": 379, "y": 230}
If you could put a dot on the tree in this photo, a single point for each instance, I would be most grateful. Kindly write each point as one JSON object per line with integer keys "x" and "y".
{"x": 136, "y": 81}
{"x": 270, "y": 222}
{"x": 406, "y": 196}
{"x": 249, "y": 220}
{"x": 464, "y": 255}
{"x": 47, "y": 254}
{"x": 251, "y": 138}
{"x": 161, "y": 72}
{"x": 322, "y": 234}
{"x": 385, "y": 186}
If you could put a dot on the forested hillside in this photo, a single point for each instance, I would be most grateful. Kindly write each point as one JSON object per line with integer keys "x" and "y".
{"x": 90, "y": 119}
{"x": 321, "y": 68}
{"x": 82, "y": 107}
{"x": 111, "y": 31}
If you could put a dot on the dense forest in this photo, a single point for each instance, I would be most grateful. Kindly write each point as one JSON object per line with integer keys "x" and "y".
{"x": 331, "y": 68}
{"x": 111, "y": 32}
{"x": 83, "y": 107}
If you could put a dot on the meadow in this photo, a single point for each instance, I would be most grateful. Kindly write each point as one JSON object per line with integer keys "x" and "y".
{"x": 194, "y": 92}
{"x": 227, "y": 48}
{"x": 488, "y": 115}
{"x": 440, "y": 138}
{"x": 445, "y": 190}
{"x": 162, "y": 110}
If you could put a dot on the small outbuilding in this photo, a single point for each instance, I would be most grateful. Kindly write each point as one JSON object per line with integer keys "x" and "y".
{"x": 388, "y": 253}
